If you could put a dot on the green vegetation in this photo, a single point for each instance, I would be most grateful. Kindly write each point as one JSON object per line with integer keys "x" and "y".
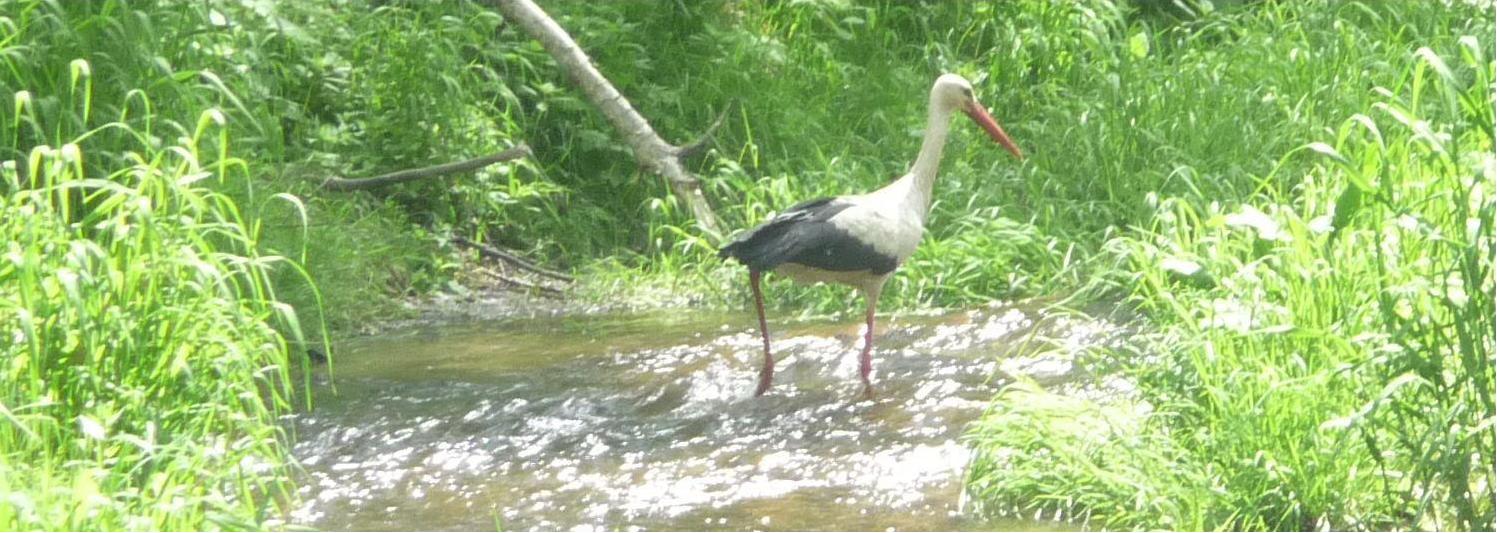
{"x": 1323, "y": 354}
{"x": 142, "y": 377}
{"x": 1295, "y": 197}
{"x": 152, "y": 233}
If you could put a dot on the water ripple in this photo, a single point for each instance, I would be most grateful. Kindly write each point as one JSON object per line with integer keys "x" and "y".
{"x": 605, "y": 423}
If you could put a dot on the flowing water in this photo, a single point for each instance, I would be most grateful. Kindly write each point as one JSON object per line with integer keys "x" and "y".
{"x": 647, "y": 422}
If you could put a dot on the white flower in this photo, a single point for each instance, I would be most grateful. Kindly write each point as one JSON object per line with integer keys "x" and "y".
{"x": 1265, "y": 226}
{"x": 1182, "y": 267}
{"x": 1321, "y": 224}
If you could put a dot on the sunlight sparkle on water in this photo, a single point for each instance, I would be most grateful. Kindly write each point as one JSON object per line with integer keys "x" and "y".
{"x": 615, "y": 432}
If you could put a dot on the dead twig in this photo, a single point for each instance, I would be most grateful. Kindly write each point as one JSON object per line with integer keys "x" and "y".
{"x": 519, "y": 262}
{"x": 344, "y": 184}
{"x": 694, "y": 147}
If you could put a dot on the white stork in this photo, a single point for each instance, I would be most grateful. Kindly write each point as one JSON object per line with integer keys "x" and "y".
{"x": 858, "y": 240}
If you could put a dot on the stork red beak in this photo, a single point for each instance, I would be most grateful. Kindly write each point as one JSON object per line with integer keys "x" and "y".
{"x": 982, "y": 118}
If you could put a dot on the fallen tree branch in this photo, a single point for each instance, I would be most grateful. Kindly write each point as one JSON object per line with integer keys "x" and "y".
{"x": 652, "y": 152}
{"x": 549, "y": 291}
{"x": 344, "y": 184}
{"x": 517, "y": 261}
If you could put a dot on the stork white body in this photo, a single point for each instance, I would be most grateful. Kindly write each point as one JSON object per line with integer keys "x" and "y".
{"x": 859, "y": 240}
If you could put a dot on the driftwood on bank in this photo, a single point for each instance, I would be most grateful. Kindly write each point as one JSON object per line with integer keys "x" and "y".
{"x": 344, "y": 184}
{"x": 517, "y": 261}
{"x": 651, "y": 152}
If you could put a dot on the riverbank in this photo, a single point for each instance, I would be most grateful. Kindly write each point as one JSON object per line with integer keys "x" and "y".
{"x": 1295, "y": 198}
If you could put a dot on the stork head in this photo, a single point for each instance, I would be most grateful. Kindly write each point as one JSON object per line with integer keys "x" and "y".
{"x": 952, "y": 92}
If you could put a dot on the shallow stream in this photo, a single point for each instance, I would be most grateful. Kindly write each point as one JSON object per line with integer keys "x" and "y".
{"x": 647, "y": 422}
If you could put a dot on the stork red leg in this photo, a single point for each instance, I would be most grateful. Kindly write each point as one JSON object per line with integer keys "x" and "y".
{"x": 865, "y": 361}
{"x": 766, "y": 374}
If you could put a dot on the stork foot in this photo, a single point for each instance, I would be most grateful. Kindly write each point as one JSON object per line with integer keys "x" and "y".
{"x": 766, "y": 377}
{"x": 865, "y": 369}
{"x": 865, "y": 359}
{"x": 766, "y": 374}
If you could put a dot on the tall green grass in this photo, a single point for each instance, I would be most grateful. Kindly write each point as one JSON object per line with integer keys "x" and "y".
{"x": 145, "y": 305}
{"x": 312, "y": 90}
{"x": 142, "y": 374}
{"x": 1111, "y": 100}
{"x": 1324, "y": 344}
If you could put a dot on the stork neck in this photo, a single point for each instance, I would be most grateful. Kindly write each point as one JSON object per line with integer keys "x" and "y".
{"x": 926, "y": 165}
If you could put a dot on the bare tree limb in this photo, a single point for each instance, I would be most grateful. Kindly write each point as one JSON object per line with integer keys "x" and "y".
{"x": 517, "y": 261}
{"x": 652, "y": 152}
{"x": 343, "y": 184}
{"x": 690, "y": 149}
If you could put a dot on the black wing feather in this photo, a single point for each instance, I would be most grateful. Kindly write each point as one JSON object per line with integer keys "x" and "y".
{"x": 803, "y": 234}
